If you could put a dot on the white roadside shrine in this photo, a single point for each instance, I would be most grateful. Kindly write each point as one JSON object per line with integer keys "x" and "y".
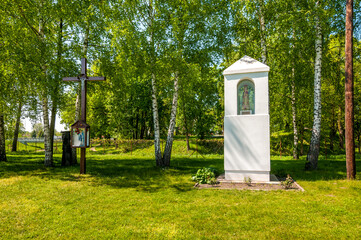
{"x": 246, "y": 121}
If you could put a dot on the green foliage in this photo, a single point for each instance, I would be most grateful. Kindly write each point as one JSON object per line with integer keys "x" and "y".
{"x": 129, "y": 42}
{"x": 288, "y": 182}
{"x": 248, "y": 181}
{"x": 205, "y": 175}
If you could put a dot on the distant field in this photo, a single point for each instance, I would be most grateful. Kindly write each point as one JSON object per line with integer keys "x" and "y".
{"x": 281, "y": 145}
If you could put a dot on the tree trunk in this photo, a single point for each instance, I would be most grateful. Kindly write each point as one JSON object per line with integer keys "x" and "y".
{"x": 349, "y": 112}
{"x": 294, "y": 118}
{"x": 78, "y": 97}
{"x": 77, "y": 117}
{"x": 2, "y": 139}
{"x": 182, "y": 97}
{"x": 301, "y": 144}
{"x": 293, "y": 103}
{"x": 157, "y": 150}
{"x": 339, "y": 92}
{"x": 333, "y": 129}
{"x": 137, "y": 124}
{"x": 48, "y": 161}
{"x": 341, "y": 134}
{"x": 86, "y": 40}
{"x": 313, "y": 152}
{"x": 17, "y": 127}
{"x": 77, "y": 105}
{"x": 158, "y": 153}
{"x": 186, "y": 128}
{"x": 55, "y": 94}
{"x": 301, "y": 137}
{"x": 52, "y": 122}
{"x": 142, "y": 126}
{"x": 263, "y": 32}
{"x": 47, "y": 142}
{"x": 173, "y": 115}
{"x": 332, "y": 136}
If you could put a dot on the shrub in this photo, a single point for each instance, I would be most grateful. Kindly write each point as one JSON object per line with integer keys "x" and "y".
{"x": 205, "y": 175}
{"x": 248, "y": 181}
{"x": 287, "y": 184}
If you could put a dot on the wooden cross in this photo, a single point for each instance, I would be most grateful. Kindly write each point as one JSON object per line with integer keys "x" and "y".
{"x": 83, "y": 79}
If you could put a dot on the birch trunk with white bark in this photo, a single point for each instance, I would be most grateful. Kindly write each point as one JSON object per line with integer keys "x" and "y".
{"x": 312, "y": 156}
{"x": 168, "y": 147}
{"x": 48, "y": 162}
{"x": 294, "y": 117}
{"x": 293, "y": 104}
{"x": 53, "y": 111}
{"x": 157, "y": 150}
{"x": 55, "y": 95}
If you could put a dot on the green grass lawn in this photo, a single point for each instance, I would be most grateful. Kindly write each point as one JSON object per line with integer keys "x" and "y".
{"x": 124, "y": 196}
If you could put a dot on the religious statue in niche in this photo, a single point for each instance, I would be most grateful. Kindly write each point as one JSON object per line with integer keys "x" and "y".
{"x": 79, "y": 138}
{"x": 246, "y": 98}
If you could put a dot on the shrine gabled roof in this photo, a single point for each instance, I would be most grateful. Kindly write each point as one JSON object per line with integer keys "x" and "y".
{"x": 246, "y": 65}
{"x": 80, "y": 124}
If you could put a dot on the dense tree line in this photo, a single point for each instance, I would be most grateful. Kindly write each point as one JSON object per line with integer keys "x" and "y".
{"x": 164, "y": 61}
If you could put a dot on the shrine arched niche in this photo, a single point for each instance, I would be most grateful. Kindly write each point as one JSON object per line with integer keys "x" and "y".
{"x": 245, "y": 97}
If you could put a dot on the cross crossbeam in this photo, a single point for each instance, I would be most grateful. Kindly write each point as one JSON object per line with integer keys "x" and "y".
{"x": 84, "y": 74}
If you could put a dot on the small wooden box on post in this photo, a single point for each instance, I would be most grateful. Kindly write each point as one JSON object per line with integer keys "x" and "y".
{"x": 80, "y": 135}
{"x": 80, "y": 130}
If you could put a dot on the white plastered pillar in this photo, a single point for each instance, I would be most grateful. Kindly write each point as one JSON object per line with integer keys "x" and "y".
{"x": 247, "y": 137}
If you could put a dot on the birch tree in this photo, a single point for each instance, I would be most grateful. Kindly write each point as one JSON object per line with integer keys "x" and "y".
{"x": 15, "y": 83}
{"x": 312, "y": 156}
{"x": 48, "y": 161}
{"x": 152, "y": 27}
{"x": 47, "y": 42}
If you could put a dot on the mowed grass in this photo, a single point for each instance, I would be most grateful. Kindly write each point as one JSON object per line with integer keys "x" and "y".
{"x": 124, "y": 196}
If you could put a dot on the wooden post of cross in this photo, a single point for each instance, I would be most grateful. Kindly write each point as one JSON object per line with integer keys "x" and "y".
{"x": 83, "y": 79}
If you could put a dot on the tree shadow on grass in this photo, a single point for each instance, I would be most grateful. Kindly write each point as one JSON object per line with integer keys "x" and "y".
{"x": 334, "y": 168}
{"x": 22, "y": 164}
{"x": 142, "y": 174}
{"x": 136, "y": 173}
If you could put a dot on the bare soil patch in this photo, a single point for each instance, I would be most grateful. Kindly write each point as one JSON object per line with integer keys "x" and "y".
{"x": 245, "y": 186}
{"x": 273, "y": 185}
